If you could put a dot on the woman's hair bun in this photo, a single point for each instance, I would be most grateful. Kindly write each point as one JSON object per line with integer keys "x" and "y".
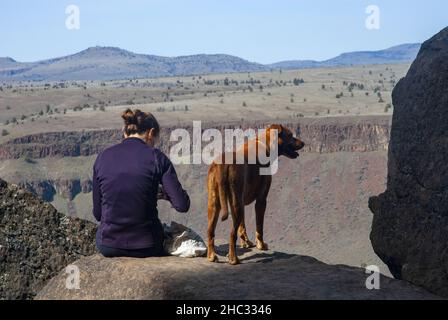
{"x": 129, "y": 117}
{"x": 139, "y": 122}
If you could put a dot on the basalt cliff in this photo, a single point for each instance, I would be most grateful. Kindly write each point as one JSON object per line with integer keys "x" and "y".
{"x": 410, "y": 224}
{"x": 323, "y": 135}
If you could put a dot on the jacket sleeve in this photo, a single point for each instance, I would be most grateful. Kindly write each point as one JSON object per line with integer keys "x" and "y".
{"x": 96, "y": 192}
{"x": 176, "y": 194}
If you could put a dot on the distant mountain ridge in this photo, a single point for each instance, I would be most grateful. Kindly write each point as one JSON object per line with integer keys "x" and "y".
{"x": 111, "y": 63}
{"x": 397, "y": 54}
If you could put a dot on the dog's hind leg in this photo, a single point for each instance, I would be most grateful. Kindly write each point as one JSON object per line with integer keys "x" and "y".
{"x": 214, "y": 208}
{"x": 237, "y": 209}
{"x": 236, "y": 199}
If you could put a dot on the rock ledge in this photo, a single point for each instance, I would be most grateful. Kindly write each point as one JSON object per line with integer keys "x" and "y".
{"x": 268, "y": 275}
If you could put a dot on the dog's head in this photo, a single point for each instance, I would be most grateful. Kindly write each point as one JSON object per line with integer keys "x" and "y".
{"x": 288, "y": 145}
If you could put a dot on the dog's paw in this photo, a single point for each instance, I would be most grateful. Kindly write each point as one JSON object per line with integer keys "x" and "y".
{"x": 213, "y": 257}
{"x": 262, "y": 246}
{"x": 234, "y": 261}
{"x": 247, "y": 244}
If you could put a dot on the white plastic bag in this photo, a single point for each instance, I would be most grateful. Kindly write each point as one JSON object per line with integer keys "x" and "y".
{"x": 183, "y": 242}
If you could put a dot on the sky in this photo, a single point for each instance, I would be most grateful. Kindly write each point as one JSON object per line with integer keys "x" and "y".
{"x": 263, "y": 31}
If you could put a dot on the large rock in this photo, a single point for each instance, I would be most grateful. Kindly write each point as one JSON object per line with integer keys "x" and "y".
{"x": 267, "y": 275}
{"x": 410, "y": 225}
{"x": 36, "y": 242}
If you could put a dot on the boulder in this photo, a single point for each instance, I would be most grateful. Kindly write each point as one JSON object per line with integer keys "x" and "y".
{"x": 36, "y": 242}
{"x": 262, "y": 275}
{"x": 410, "y": 224}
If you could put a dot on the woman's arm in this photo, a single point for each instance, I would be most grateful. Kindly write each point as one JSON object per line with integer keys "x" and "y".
{"x": 173, "y": 189}
{"x": 96, "y": 194}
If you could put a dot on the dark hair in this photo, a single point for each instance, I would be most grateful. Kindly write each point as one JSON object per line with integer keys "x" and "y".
{"x": 139, "y": 122}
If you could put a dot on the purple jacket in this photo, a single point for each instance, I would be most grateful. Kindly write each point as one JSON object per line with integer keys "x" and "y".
{"x": 126, "y": 178}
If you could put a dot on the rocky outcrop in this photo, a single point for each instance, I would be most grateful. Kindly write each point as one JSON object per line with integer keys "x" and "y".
{"x": 323, "y": 135}
{"x": 410, "y": 225}
{"x": 36, "y": 242}
{"x": 267, "y": 276}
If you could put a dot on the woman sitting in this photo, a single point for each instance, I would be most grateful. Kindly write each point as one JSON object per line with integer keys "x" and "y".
{"x": 126, "y": 180}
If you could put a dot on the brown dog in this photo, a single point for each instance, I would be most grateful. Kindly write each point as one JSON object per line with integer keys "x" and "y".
{"x": 238, "y": 185}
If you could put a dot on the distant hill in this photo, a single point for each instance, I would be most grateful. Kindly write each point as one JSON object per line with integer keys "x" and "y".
{"x": 109, "y": 63}
{"x": 398, "y": 54}
{"x": 100, "y": 63}
{"x": 6, "y": 62}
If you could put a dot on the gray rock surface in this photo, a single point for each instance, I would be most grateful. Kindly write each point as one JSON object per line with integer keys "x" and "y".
{"x": 410, "y": 225}
{"x": 36, "y": 242}
{"x": 262, "y": 275}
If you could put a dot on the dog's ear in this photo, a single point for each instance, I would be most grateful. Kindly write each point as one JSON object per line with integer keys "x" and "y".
{"x": 280, "y": 133}
{"x": 277, "y": 127}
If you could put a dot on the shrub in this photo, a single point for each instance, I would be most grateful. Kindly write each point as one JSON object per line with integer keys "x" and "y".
{"x": 4, "y": 132}
{"x": 298, "y": 81}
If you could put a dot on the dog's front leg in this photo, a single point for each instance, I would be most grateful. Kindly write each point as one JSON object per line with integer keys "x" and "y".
{"x": 260, "y": 209}
{"x": 245, "y": 242}
{"x": 213, "y": 215}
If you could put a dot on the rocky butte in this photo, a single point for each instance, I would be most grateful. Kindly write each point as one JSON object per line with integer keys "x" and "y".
{"x": 410, "y": 225}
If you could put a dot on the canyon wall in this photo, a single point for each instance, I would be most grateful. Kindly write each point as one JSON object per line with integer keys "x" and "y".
{"x": 322, "y": 135}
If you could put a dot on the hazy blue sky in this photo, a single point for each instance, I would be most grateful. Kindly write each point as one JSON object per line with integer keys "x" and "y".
{"x": 258, "y": 30}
